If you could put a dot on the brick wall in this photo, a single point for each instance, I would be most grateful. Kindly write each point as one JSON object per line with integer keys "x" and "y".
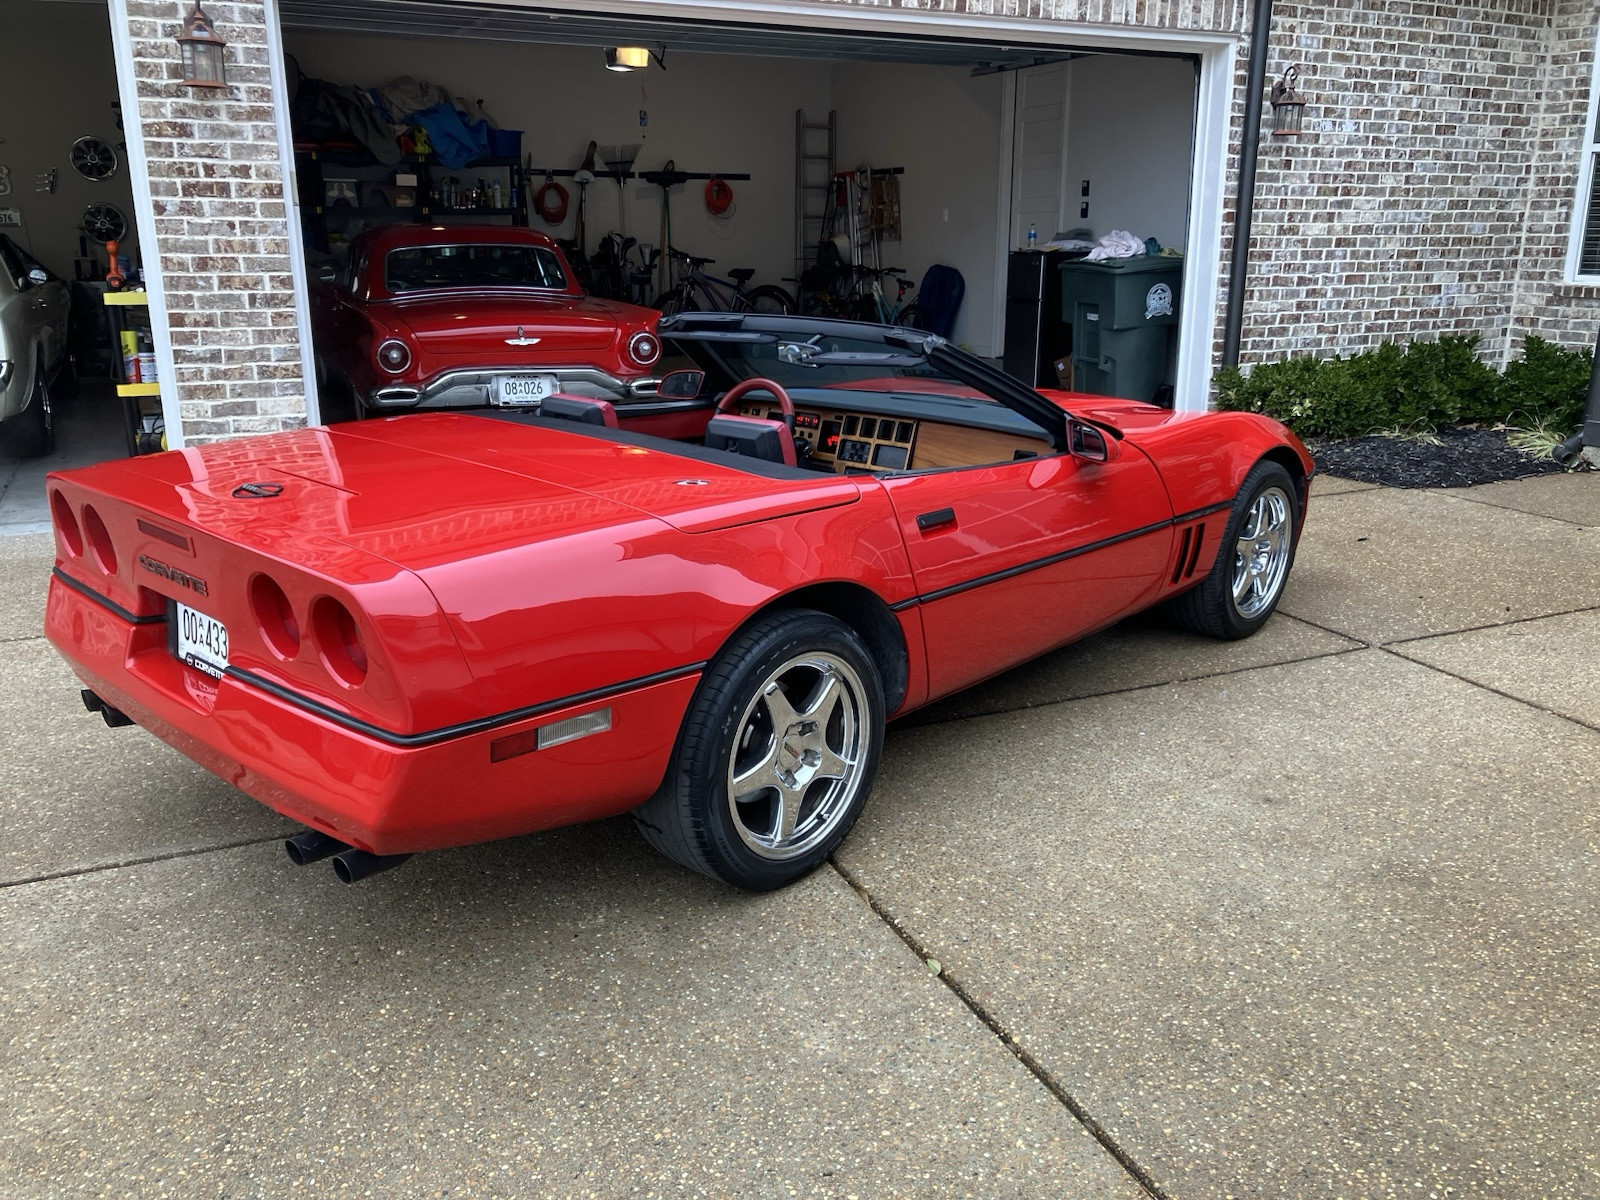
{"x": 1562, "y": 312}
{"x": 222, "y": 233}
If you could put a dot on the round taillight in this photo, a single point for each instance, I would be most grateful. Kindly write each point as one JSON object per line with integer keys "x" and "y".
{"x": 66, "y": 524}
{"x": 394, "y": 356}
{"x": 275, "y": 618}
{"x": 644, "y": 348}
{"x": 99, "y": 538}
{"x": 339, "y": 641}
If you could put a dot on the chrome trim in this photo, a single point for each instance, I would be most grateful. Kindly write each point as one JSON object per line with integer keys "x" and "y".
{"x": 469, "y": 387}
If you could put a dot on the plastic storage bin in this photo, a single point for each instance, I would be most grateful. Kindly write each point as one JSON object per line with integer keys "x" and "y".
{"x": 1122, "y": 314}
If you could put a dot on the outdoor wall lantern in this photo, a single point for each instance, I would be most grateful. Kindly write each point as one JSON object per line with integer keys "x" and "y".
{"x": 203, "y": 64}
{"x": 1288, "y": 109}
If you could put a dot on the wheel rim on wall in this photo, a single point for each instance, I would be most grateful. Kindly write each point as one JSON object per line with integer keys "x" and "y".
{"x": 797, "y": 757}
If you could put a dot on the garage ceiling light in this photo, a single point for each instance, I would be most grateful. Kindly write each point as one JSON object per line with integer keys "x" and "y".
{"x": 627, "y": 58}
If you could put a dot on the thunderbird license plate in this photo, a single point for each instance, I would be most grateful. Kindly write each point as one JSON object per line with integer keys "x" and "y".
{"x": 202, "y": 641}
{"x": 517, "y": 391}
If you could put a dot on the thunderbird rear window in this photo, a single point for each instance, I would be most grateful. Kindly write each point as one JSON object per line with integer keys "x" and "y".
{"x": 430, "y": 268}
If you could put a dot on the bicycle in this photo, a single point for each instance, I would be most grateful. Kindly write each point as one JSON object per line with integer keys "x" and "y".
{"x": 695, "y": 291}
{"x": 856, "y": 293}
{"x": 874, "y": 306}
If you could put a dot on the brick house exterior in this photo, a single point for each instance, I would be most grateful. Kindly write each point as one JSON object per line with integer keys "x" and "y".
{"x": 1433, "y": 192}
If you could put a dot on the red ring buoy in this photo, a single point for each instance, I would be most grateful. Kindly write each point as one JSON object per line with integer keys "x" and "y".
{"x": 550, "y": 202}
{"x": 719, "y": 196}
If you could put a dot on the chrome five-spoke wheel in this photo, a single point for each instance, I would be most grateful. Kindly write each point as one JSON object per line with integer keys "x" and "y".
{"x": 1246, "y": 579}
{"x": 796, "y": 762}
{"x": 776, "y": 755}
{"x": 1261, "y": 552}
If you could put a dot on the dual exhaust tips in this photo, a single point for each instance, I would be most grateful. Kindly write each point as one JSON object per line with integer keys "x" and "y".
{"x": 349, "y": 864}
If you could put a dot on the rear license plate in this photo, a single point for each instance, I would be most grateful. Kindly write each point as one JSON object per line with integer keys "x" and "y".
{"x": 516, "y": 391}
{"x": 202, "y": 642}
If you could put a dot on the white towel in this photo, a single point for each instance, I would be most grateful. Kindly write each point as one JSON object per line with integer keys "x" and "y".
{"x": 1119, "y": 243}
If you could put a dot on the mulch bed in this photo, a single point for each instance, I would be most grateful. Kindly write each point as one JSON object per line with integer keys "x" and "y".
{"x": 1461, "y": 458}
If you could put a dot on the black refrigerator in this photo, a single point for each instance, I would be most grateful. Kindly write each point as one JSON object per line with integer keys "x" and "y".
{"x": 1036, "y": 335}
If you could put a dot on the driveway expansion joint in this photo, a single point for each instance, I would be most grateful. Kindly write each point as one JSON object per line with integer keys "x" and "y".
{"x": 142, "y": 860}
{"x": 1034, "y": 1067}
{"x": 1494, "y": 691}
{"x": 1425, "y": 637}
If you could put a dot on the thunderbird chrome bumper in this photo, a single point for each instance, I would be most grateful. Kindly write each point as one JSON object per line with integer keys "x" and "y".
{"x": 474, "y": 388}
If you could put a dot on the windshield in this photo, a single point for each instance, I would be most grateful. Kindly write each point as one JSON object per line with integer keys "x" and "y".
{"x": 430, "y": 268}
{"x": 816, "y": 360}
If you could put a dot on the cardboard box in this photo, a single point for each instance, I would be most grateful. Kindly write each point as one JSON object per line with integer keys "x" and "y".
{"x": 1064, "y": 373}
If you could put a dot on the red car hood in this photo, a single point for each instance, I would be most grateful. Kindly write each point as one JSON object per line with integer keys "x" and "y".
{"x": 427, "y": 490}
{"x": 477, "y": 326}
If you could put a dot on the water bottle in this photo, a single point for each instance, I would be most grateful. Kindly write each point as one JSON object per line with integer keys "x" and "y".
{"x": 1033, "y": 238}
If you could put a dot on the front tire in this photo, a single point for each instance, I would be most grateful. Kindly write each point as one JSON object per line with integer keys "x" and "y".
{"x": 1245, "y": 583}
{"x": 776, "y": 756}
{"x": 32, "y": 432}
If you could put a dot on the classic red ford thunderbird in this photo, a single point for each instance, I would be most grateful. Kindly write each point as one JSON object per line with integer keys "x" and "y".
{"x": 429, "y": 631}
{"x": 472, "y": 315}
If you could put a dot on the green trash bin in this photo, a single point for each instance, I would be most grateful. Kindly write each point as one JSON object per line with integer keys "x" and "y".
{"x": 1122, "y": 312}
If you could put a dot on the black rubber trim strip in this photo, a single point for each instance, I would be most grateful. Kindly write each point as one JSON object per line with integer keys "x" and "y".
{"x": 107, "y": 602}
{"x": 448, "y": 732}
{"x": 1051, "y": 559}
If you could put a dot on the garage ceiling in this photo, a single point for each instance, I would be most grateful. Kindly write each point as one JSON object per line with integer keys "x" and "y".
{"x": 492, "y": 22}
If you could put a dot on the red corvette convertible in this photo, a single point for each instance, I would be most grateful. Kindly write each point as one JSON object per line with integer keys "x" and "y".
{"x": 431, "y": 631}
{"x": 471, "y": 315}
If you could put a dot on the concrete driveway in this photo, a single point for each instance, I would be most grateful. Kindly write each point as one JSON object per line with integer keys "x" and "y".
{"x": 1314, "y": 915}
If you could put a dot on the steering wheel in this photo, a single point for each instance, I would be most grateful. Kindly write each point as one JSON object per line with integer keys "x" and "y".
{"x": 740, "y": 390}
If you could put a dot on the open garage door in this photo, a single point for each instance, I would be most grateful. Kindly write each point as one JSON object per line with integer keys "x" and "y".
{"x": 819, "y": 155}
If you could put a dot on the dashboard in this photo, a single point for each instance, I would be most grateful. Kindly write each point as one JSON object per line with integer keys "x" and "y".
{"x": 841, "y": 439}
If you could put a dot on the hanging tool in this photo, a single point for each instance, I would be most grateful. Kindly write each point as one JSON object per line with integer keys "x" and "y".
{"x": 583, "y": 177}
{"x": 619, "y": 165}
{"x": 666, "y": 179}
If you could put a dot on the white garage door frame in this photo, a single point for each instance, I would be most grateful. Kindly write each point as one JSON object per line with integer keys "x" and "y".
{"x": 1215, "y": 52}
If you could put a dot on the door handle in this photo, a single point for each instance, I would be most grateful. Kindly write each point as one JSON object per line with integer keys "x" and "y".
{"x": 936, "y": 519}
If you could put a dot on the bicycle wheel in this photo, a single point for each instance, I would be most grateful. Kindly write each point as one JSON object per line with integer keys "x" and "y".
{"x": 768, "y": 298}
{"x": 911, "y": 317}
{"x": 670, "y": 303}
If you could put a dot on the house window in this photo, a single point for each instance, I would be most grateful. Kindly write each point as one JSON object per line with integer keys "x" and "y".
{"x": 1583, "y": 253}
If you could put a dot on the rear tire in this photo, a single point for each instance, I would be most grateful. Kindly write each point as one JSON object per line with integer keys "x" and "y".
{"x": 1246, "y": 582}
{"x": 32, "y": 432}
{"x": 910, "y": 317}
{"x": 769, "y": 298}
{"x": 776, "y": 756}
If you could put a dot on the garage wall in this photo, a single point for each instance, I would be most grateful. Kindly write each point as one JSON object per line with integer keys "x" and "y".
{"x": 1130, "y": 132}
{"x": 706, "y": 112}
{"x": 58, "y": 83}
{"x": 943, "y": 126}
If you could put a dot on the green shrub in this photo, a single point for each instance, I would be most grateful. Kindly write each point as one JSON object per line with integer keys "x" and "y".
{"x": 1546, "y": 385}
{"x": 1418, "y": 386}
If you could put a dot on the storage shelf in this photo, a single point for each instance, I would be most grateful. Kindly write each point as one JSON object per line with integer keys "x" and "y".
{"x": 138, "y": 389}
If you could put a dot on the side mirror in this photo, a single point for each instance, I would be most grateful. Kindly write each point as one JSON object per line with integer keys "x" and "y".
{"x": 1088, "y": 442}
{"x": 681, "y": 385}
{"x": 38, "y": 275}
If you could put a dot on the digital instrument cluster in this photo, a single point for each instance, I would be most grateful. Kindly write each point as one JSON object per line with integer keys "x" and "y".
{"x": 873, "y": 443}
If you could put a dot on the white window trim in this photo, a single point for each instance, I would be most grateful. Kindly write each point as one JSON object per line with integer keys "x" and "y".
{"x": 1590, "y": 151}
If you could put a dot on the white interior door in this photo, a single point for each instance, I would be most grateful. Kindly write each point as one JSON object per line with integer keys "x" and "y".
{"x": 1041, "y": 130}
